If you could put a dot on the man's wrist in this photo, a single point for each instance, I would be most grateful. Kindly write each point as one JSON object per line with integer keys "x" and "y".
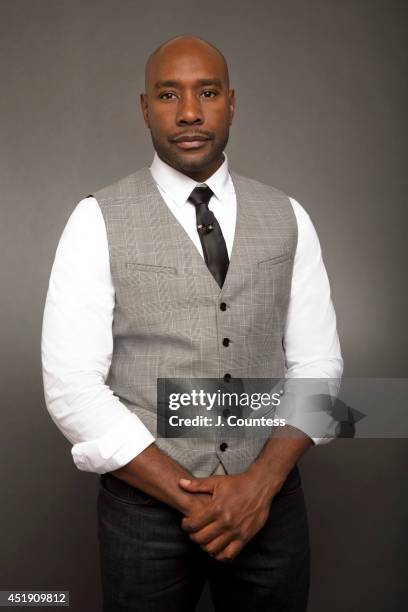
{"x": 278, "y": 457}
{"x": 268, "y": 478}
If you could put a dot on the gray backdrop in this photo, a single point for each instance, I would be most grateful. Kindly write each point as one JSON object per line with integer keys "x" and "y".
{"x": 320, "y": 114}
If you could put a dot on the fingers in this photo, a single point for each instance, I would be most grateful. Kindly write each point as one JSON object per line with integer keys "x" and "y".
{"x": 207, "y": 534}
{"x": 198, "y": 522}
{"x": 198, "y": 485}
{"x": 218, "y": 544}
{"x": 215, "y": 513}
{"x": 230, "y": 552}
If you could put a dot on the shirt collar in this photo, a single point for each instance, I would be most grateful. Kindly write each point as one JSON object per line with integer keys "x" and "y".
{"x": 179, "y": 186}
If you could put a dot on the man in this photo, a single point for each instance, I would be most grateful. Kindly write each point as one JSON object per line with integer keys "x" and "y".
{"x": 186, "y": 269}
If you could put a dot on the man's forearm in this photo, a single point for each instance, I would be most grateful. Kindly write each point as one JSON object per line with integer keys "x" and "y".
{"x": 279, "y": 455}
{"x": 157, "y": 474}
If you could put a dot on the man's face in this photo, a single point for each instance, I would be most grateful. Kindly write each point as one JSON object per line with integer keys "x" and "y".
{"x": 188, "y": 109}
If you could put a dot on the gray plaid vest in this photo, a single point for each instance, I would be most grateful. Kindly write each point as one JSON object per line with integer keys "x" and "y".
{"x": 167, "y": 318}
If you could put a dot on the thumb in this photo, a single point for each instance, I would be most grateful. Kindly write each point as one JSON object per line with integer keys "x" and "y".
{"x": 198, "y": 485}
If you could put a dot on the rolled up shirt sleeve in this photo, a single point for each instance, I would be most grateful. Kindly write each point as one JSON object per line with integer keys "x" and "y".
{"x": 77, "y": 345}
{"x": 311, "y": 342}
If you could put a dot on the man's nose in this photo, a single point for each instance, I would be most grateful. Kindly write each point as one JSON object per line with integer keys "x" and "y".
{"x": 189, "y": 110}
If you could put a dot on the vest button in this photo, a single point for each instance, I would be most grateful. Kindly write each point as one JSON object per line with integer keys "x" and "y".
{"x": 226, "y": 412}
{"x": 223, "y": 446}
{"x": 227, "y": 377}
{"x": 223, "y": 306}
{"x": 226, "y": 341}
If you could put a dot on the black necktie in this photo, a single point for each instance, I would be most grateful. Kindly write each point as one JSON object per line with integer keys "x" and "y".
{"x": 212, "y": 240}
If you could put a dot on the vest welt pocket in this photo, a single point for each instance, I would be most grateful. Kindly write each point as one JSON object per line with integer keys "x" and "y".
{"x": 273, "y": 283}
{"x": 275, "y": 260}
{"x": 148, "y": 290}
{"x": 132, "y": 266}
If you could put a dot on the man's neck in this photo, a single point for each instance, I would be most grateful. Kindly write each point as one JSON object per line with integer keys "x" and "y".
{"x": 201, "y": 175}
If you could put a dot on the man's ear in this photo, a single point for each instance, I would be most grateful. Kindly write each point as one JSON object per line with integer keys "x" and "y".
{"x": 145, "y": 108}
{"x": 232, "y": 103}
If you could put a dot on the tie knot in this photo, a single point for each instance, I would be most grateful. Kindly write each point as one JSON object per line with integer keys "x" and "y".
{"x": 200, "y": 195}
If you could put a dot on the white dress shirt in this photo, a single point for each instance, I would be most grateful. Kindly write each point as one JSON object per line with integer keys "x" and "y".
{"x": 77, "y": 340}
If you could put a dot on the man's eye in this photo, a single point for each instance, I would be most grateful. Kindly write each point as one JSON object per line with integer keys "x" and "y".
{"x": 209, "y": 91}
{"x": 167, "y": 93}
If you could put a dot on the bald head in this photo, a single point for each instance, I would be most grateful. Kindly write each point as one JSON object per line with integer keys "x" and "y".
{"x": 187, "y": 46}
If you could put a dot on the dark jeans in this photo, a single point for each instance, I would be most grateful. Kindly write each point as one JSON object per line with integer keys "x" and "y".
{"x": 149, "y": 564}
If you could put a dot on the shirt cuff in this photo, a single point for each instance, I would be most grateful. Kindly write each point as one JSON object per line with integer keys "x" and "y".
{"x": 319, "y": 441}
{"x": 306, "y": 404}
{"x": 115, "y": 449}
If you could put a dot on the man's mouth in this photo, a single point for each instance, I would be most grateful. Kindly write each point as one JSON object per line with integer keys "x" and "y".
{"x": 191, "y": 144}
{"x": 195, "y": 141}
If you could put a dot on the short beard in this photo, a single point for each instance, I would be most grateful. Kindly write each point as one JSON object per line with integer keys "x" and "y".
{"x": 183, "y": 165}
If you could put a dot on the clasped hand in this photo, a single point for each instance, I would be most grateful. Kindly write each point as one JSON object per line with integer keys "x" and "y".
{"x": 236, "y": 508}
